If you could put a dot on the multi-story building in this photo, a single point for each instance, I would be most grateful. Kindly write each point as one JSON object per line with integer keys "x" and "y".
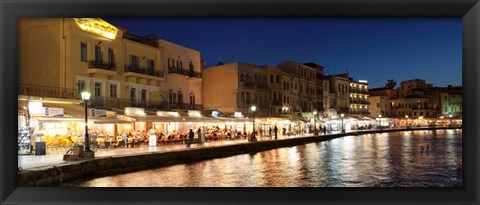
{"x": 184, "y": 79}
{"x": 329, "y": 100}
{"x": 379, "y": 105}
{"x": 319, "y": 78}
{"x": 409, "y": 87}
{"x": 340, "y": 84}
{"x": 235, "y": 87}
{"x": 451, "y": 101}
{"x": 279, "y": 85}
{"x": 61, "y": 57}
{"x": 306, "y": 85}
{"x": 359, "y": 97}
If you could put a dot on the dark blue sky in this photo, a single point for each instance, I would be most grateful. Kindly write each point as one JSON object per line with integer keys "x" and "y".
{"x": 371, "y": 49}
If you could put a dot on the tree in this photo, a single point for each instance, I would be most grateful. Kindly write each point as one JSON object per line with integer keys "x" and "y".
{"x": 391, "y": 84}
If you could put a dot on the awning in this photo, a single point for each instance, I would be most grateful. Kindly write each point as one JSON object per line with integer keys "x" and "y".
{"x": 155, "y": 118}
{"x": 233, "y": 119}
{"x": 110, "y": 121}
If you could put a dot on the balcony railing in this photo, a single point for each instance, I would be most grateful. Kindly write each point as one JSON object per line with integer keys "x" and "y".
{"x": 145, "y": 71}
{"x": 45, "y": 91}
{"x": 360, "y": 91}
{"x": 121, "y": 103}
{"x": 101, "y": 65}
{"x": 185, "y": 72}
{"x": 365, "y": 102}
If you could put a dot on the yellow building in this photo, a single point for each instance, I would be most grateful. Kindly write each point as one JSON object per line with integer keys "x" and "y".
{"x": 184, "y": 79}
{"x": 235, "y": 87}
{"x": 279, "y": 84}
{"x": 60, "y": 56}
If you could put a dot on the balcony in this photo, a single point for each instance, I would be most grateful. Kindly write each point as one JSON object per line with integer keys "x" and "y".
{"x": 121, "y": 103}
{"x": 98, "y": 64}
{"x": 363, "y": 102}
{"x": 180, "y": 71}
{"x": 45, "y": 91}
{"x": 148, "y": 73}
{"x": 248, "y": 84}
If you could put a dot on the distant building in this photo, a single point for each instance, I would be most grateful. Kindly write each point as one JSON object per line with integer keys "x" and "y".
{"x": 340, "y": 86}
{"x": 451, "y": 101}
{"x": 303, "y": 94}
{"x": 235, "y": 87}
{"x": 359, "y": 97}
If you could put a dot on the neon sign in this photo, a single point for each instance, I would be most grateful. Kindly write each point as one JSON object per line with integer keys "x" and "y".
{"x": 97, "y": 26}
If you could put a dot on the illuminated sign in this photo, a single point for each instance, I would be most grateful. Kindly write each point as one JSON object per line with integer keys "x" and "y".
{"x": 97, "y": 26}
{"x": 363, "y": 81}
{"x": 238, "y": 114}
{"x": 52, "y": 111}
{"x": 194, "y": 113}
{"x": 98, "y": 113}
{"x": 35, "y": 107}
{"x": 216, "y": 113}
{"x": 167, "y": 114}
{"x": 134, "y": 111}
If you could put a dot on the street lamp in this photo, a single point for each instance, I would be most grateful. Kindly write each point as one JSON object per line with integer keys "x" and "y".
{"x": 315, "y": 122}
{"x": 87, "y": 152}
{"x": 450, "y": 121}
{"x": 406, "y": 121}
{"x": 342, "y": 115}
{"x": 380, "y": 116}
{"x": 253, "y": 108}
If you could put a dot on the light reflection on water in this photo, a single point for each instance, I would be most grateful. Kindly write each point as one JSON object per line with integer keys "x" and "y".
{"x": 386, "y": 160}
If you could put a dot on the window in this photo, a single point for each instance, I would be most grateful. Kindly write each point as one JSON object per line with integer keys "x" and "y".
{"x": 111, "y": 57}
{"x": 98, "y": 54}
{"x": 248, "y": 98}
{"x": 271, "y": 78}
{"x": 134, "y": 63}
{"x": 242, "y": 77}
{"x": 170, "y": 96}
{"x": 81, "y": 85}
{"x": 132, "y": 94}
{"x": 242, "y": 97}
{"x": 169, "y": 65}
{"x": 278, "y": 79}
{"x": 378, "y": 104}
{"x": 98, "y": 89}
{"x": 150, "y": 66}
{"x": 113, "y": 90}
{"x": 192, "y": 98}
{"x": 143, "y": 96}
{"x": 83, "y": 52}
{"x": 180, "y": 97}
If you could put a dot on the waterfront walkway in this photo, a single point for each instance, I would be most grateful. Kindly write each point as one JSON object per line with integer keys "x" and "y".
{"x": 34, "y": 161}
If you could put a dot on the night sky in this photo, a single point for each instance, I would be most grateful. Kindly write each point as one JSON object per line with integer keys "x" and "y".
{"x": 370, "y": 49}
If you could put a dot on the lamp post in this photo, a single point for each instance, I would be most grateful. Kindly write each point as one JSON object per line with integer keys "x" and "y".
{"x": 87, "y": 152}
{"x": 406, "y": 122}
{"x": 450, "y": 120}
{"x": 315, "y": 122}
{"x": 253, "y": 108}
{"x": 342, "y": 115}
{"x": 380, "y": 116}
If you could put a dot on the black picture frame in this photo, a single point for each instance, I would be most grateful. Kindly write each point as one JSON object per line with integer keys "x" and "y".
{"x": 468, "y": 10}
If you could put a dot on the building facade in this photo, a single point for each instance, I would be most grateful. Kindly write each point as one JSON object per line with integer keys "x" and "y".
{"x": 60, "y": 57}
{"x": 235, "y": 87}
{"x": 340, "y": 86}
{"x": 359, "y": 97}
{"x": 184, "y": 78}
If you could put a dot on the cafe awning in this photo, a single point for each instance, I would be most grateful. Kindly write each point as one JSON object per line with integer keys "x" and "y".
{"x": 155, "y": 118}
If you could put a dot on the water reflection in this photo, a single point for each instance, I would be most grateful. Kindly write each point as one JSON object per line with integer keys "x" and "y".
{"x": 399, "y": 159}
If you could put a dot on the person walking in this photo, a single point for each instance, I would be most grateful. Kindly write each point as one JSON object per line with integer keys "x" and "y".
{"x": 325, "y": 130}
{"x": 275, "y": 130}
{"x": 191, "y": 135}
{"x": 203, "y": 132}
{"x": 124, "y": 138}
{"x": 269, "y": 131}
